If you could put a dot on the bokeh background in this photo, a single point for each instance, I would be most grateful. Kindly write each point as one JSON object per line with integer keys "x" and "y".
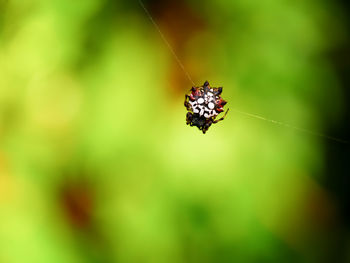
{"x": 97, "y": 164}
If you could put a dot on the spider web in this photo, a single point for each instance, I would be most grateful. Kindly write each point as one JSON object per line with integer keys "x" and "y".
{"x": 307, "y": 131}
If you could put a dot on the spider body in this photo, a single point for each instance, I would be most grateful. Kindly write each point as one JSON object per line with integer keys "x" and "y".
{"x": 204, "y": 104}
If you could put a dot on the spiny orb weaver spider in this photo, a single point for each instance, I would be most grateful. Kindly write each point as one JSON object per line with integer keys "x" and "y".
{"x": 204, "y": 104}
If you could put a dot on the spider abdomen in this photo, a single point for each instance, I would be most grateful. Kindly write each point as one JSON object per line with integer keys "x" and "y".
{"x": 204, "y": 104}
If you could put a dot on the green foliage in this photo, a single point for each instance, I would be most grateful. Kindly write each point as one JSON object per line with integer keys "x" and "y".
{"x": 97, "y": 164}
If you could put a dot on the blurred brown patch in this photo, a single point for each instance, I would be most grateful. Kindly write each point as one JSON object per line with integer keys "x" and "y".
{"x": 77, "y": 199}
{"x": 305, "y": 217}
{"x": 321, "y": 209}
{"x": 179, "y": 23}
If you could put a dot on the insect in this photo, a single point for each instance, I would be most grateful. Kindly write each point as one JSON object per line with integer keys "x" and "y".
{"x": 204, "y": 104}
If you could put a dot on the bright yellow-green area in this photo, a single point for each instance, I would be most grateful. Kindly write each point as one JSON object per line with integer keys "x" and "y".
{"x": 85, "y": 99}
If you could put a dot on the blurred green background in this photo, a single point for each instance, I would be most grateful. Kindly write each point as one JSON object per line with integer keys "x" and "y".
{"x": 97, "y": 164}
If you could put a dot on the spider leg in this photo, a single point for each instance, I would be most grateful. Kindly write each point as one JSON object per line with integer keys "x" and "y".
{"x": 207, "y": 125}
{"x": 186, "y": 103}
{"x": 189, "y": 118}
{"x": 222, "y": 118}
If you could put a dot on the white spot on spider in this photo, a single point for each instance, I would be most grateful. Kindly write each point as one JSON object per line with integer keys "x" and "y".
{"x": 206, "y": 115}
{"x": 195, "y": 110}
{"x": 202, "y": 111}
{"x": 200, "y": 100}
{"x": 211, "y": 105}
{"x": 210, "y": 94}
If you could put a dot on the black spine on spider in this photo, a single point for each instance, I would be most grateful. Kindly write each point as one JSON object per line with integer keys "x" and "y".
{"x": 204, "y": 104}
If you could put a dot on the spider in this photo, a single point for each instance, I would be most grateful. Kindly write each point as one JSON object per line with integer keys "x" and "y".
{"x": 204, "y": 104}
